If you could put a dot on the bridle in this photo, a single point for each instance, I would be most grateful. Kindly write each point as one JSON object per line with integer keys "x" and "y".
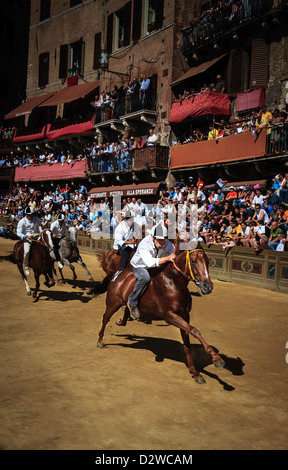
{"x": 188, "y": 264}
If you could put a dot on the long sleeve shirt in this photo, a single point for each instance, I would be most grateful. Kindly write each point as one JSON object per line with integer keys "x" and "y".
{"x": 147, "y": 255}
{"x": 122, "y": 234}
{"x": 28, "y": 227}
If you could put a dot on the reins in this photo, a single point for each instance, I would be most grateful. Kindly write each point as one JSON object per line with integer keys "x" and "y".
{"x": 187, "y": 264}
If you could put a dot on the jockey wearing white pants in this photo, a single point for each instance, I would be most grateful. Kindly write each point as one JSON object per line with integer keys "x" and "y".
{"x": 58, "y": 228}
{"x": 26, "y": 228}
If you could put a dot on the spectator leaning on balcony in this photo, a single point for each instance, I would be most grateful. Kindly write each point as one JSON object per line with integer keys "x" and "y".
{"x": 220, "y": 85}
{"x": 152, "y": 140}
{"x": 145, "y": 86}
{"x": 213, "y": 132}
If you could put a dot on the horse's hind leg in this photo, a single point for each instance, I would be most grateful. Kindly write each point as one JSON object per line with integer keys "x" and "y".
{"x": 106, "y": 318}
{"x": 37, "y": 280}
{"x": 81, "y": 262}
{"x": 123, "y": 321}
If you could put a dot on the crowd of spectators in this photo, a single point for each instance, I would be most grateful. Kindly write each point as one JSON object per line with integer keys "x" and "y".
{"x": 135, "y": 95}
{"x": 7, "y": 132}
{"x": 273, "y": 121}
{"x": 248, "y": 216}
{"x": 222, "y": 16}
{"x": 108, "y": 156}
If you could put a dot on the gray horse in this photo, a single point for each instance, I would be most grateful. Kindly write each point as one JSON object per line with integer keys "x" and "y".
{"x": 69, "y": 252}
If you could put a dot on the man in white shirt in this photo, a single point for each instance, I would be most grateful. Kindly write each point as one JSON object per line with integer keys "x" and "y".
{"x": 152, "y": 139}
{"x": 26, "y": 228}
{"x": 124, "y": 238}
{"x": 153, "y": 251}
{"x": 58, "y": 229}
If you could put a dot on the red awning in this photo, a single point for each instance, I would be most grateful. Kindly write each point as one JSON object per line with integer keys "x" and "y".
{"x": 200, "y": 105}
{"x": 143, "y": 189}
{"x": 60, "y": 129}
{"x": 72, "y": 93}
{"x": 250, "y": 99}
{"x": 28, "y": 106}
{"x": 29, "y": 135}
{"x": 52, "y": 172}
{"x": 197, "y": 70}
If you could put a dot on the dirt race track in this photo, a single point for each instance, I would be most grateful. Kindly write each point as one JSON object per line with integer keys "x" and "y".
{"x": 58, "y": 391}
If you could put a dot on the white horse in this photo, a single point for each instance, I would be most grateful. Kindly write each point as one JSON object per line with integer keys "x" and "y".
{"x": 68, "y": 250}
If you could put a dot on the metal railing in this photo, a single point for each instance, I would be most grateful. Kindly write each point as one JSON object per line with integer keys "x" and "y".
{"x": 128, "y": 103}
{"x": 277, "y": 140}
{"x": 214, "y": 22}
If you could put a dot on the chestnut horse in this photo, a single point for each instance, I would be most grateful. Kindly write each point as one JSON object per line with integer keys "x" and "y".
{"x": 39, "y": 260}
{"x": 166, "y": 298}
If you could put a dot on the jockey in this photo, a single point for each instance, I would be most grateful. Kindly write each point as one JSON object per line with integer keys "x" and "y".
{"x": 153, "y": 251}
{"x": 26, "y": 228}
{"x": 124, "y": 238}
{"x": 58, "y": 229}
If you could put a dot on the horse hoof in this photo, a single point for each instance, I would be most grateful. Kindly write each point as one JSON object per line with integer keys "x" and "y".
{"x": 200, "y": 380}
{"x": 100, "y": 345}
{"x": 28, "y": 292}
{"x": 119, "y": 322}
{"x": 219, "y": 363}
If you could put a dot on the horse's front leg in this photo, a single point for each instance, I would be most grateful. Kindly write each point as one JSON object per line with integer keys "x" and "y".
{"x": 81, "y": 262}
{"x": 178, "y": 321}
{"x": 187, "y": 348}
{"x": 24, "y": 277}
{"x": 110, "y": 310}
{"x": 70, "y": 265}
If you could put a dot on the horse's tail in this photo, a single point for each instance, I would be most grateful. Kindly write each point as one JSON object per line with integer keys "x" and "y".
{"x": 101, "y": 287}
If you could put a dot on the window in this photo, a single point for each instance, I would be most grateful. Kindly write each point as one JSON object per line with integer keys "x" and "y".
{"x": 118, "y": 28}
{"x": 76, "y": 57}
{"x": 97, "y": 51}
{"x": 45, "y": 9}
{"x": 43, "y": 76}
{"x": 152, "y": 15}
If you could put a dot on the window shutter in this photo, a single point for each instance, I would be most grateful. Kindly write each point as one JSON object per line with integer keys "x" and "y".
{"x": 45, "y": 9}
{"x": 43, "y": 75}
{"x": 137, "y": 18}
{"x": 159, "y": 10}
{"x": 110, "y": 33}
{"x": 97, "y": 51}
{"x": 127, "y": 23}
{"x": 259, "y": 63}
{"x": 235, "y": 72}
{"x": 63, "y": 65}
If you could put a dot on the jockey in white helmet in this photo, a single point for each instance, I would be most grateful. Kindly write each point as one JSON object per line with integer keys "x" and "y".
{"x": 26, "y": 228}
{"x": 153, "y": 251}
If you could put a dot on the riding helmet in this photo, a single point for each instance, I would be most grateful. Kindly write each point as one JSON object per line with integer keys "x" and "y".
{"x": 29, "y": 210}
{"x": 159, "y": 231}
